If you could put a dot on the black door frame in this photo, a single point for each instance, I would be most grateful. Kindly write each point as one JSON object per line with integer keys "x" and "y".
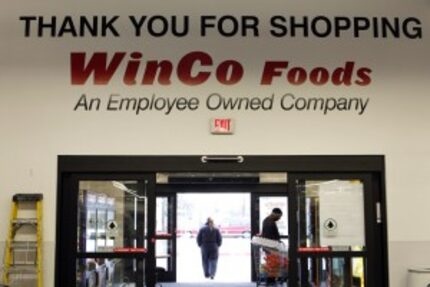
{"x": 170, "y": 274}
{"x": 69, "y": 166}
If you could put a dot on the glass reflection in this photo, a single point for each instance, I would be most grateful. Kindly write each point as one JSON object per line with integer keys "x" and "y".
{"x": 333, "y": 272}
{"x": 332, "y": 215}
{"x": 103, "y": 272}
{"x": 108, "y": 212}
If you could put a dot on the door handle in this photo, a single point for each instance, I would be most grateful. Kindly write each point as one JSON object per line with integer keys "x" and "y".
{"x": 207, "y": 159}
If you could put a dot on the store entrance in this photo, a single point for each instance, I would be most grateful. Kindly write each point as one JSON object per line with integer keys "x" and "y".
{"x": 237, "y": 202}
{"x": 131, "y": 221}
{"x": 232, "y": 216}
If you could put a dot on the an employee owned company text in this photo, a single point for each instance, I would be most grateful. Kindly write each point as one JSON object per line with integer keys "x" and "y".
{"x": 288, "y": 102}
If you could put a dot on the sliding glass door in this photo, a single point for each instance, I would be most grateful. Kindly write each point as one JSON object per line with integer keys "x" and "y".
{"x": 108, "y": 230}
{"x": 333, "y": 235}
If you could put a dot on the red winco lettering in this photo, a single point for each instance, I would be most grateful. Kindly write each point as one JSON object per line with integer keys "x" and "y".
{"x": 344, "y": 75}
{"x": 194, "y": 68}
{"x": 197, "y": 68}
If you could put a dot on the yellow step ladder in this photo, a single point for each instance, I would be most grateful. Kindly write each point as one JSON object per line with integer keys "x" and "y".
{"x": 23, "y": 251}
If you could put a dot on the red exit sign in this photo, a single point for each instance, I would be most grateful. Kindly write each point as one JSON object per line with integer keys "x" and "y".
{"x": 222, "y": 126}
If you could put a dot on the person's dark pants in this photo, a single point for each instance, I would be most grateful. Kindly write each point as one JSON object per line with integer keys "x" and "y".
{"x": 271, "y": 281}
{"x": 210, "y": 262}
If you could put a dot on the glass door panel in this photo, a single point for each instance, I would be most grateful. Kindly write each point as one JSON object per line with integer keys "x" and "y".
{"x": 262, "y": 207}
{"x": 104, "y": 272}
{"x": 335, "y": 272}
{"x": 165, "y": 238}
{"x": 332, "y": 237}
{"x": 110, "y": 233}
{"x": 332, "y": 215}
{"x": 108, "y": 214}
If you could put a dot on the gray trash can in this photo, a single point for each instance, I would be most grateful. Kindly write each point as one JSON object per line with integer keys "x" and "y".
{"x": 419, "y": 277}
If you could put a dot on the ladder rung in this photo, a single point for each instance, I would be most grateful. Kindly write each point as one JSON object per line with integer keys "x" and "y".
{"x": 23, "y": 269}
{"x": 27, "y": 197}
{"x": 23, "y": 245}
{"x": 23, "y": 221}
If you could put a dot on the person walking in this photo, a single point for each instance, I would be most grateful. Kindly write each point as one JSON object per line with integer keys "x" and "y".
{"x": 270, "y": 229}
{"x": 209, "y": 240}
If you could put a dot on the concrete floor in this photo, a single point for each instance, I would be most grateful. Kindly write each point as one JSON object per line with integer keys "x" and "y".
{"x": 213, "y": 284}
{"x": 209, "y": 284}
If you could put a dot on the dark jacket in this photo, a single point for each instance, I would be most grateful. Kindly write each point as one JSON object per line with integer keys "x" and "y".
{"x": 209, "y": 240}
{"x": 270, "y": 229}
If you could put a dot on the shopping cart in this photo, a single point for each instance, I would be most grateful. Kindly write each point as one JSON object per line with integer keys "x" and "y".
{"x": 270, "y": 261}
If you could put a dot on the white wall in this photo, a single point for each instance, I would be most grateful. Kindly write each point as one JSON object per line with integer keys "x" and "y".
{"x": 37, "y": 121}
